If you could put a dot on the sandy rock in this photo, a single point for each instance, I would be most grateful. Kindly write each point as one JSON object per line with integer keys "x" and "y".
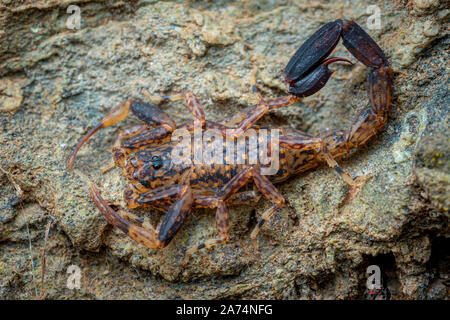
{"x": 318, "y": 246}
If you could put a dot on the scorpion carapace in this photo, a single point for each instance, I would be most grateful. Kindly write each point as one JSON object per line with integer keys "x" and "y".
{"x": 144, "y": 151}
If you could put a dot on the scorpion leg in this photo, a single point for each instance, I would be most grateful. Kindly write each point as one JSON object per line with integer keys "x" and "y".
{"x": 222, "y": 221}
{"x": 263, "y": 185}
{"x": 141, "y": 222}
{"x": 334, "y": 145}
{"x": 341, "y": 172}
{"x": 176, "y": 213}
{"x": 146, "y": 112}
{"x": 244, "y": 197}
{"x": 222, "y": 226}
{"x": 243, "y": 121}
{"x": 191, "y": 100}
{"x": 270, "y": 192}
{"x": 143, "y": 235}
{"x": 254, "y": 114}
{"x": 329, "y": 140}
{"x": 141, "y": 230}
{"x": 250, "y": 116}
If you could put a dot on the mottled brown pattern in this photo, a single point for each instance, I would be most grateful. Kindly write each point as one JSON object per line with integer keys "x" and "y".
{"x": 194, "y": 106}
{"x": 156, "y": 180}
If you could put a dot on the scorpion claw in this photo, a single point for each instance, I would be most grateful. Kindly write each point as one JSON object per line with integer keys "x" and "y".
{"x": 361, "y": 45}
{"x": 315, "y": 80}
{"x": 313, "y": 51}
{"x": 307, "y": 70}
{"x": 331, "y": 60}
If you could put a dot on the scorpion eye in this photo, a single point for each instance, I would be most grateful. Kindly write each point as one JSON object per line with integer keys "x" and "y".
{"x": 156, "y": 162}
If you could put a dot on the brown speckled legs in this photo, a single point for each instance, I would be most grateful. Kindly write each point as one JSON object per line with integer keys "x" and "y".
{"x": 263, "y": 185}
{"x": 191, "y": 100}
{"x": 222, "y": 226}
{"x": 151, "y": 115}
{"x": 141, "y": 230}
{"x": 264, "y": 105}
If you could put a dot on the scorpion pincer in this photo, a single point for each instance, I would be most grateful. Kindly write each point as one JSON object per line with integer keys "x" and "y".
{"x": 144, "y": 151}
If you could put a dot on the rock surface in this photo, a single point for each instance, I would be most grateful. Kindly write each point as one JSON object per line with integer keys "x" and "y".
{"x": 57, "y": 82}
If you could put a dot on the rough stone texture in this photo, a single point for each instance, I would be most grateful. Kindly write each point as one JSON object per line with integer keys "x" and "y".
{"x": 57, "y": 82}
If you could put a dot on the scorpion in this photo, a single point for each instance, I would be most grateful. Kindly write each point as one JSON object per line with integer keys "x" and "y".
{"x": 144, "y": 151}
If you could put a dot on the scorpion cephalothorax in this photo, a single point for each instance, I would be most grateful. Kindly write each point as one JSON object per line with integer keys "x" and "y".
{"x": 144, "y": 151}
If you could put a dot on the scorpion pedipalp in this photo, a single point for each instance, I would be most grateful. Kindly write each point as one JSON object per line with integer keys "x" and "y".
{"x": 361, "y": 45}
{"x": 314, "y": 50}
{"x": 307, "y": 73}
{"x": 315, "y": 80}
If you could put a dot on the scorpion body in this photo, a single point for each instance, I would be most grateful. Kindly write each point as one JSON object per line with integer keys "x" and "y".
{"x": 145, "y": 151}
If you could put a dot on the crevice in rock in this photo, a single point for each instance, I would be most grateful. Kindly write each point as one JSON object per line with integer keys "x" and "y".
{"x": 438, "y": 266}
{"x": 390, "y": 284}
{"x": 251, "y": 221}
